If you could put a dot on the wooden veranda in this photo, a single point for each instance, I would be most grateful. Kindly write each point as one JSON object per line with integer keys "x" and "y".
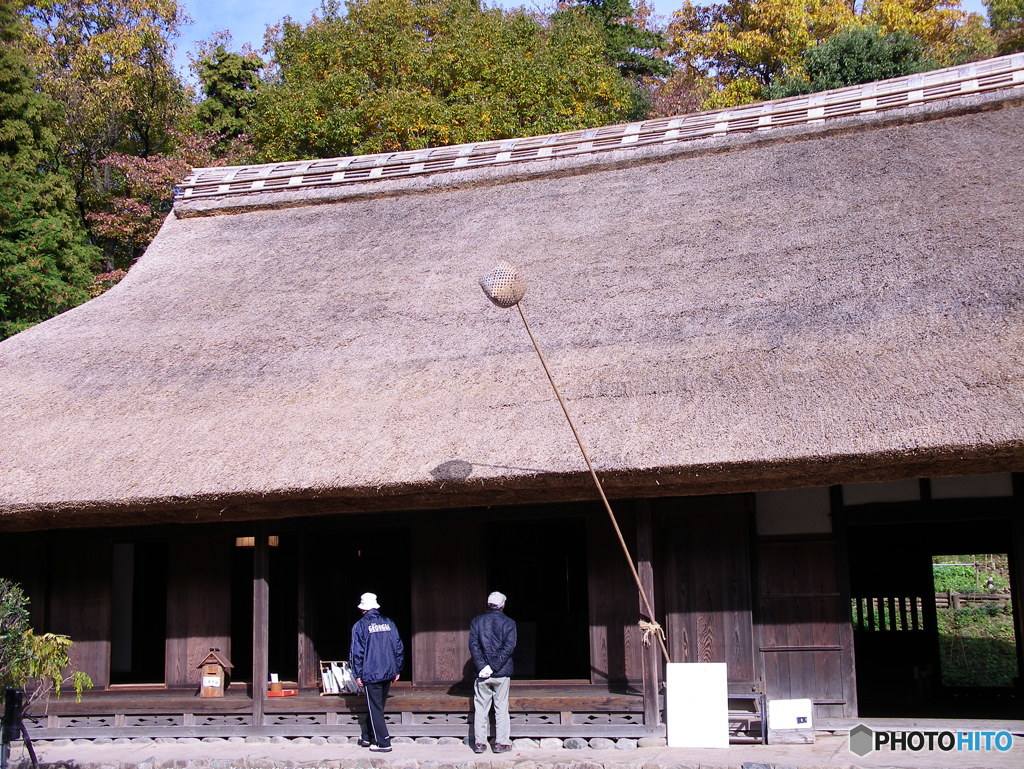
{"x": 551, "y": 709}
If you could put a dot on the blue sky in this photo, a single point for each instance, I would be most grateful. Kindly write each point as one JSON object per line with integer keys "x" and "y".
{"x": 247, "y": 20}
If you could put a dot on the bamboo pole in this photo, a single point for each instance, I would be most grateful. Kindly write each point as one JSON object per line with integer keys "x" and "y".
{"x": 600, "y": 489}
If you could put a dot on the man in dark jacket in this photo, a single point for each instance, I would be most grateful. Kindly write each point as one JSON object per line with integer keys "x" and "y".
{"x": 492, "y": 639}
{"x": 376, "y": 656}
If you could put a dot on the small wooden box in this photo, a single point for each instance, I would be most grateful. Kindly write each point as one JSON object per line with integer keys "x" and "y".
{"x": 215, "y": 671}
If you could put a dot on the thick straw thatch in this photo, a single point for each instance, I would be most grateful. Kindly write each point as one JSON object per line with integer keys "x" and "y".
{"x": 810, "y": 305}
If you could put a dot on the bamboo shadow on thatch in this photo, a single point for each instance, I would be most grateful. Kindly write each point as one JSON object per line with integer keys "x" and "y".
{"x": 460, "y": 469}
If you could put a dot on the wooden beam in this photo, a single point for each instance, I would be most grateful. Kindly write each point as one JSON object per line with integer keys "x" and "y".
{"x": 650, "y": 655}
{"x": 260, "y": 625}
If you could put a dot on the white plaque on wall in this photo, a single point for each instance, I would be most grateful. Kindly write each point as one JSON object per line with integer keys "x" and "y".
{"x": 697, "y": 705}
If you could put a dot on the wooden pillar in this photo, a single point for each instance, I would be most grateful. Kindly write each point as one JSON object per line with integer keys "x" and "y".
{"x": 307, "y": 663}
{"x": 651, "y": 653}
{"x": 842, "y": 550}
{"x": 1017, "y": 567}
{"x": 260, "y": 624}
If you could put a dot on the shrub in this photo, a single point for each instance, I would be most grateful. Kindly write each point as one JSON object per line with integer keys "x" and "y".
{"x": 36, "y": 663}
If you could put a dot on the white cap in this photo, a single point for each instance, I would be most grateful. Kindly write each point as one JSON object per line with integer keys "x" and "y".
{"x": 368, "y": 601}
{"x": 496, "y": 599}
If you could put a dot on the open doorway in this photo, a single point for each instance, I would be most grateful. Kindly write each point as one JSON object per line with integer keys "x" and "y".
{"x": 542, "y": 566}
{"x": 974, "y": 618}
{"x": 139, "y": 612}
{"x": 933, "y": 637}
{"x": 353, "y": 561}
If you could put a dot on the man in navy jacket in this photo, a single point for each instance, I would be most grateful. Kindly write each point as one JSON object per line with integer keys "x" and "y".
{"x": 492, "y": 639}
{"x": 376, "y": 656}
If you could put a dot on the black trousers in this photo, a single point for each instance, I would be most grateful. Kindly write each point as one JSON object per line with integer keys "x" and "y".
{"x": 374, "y": 728}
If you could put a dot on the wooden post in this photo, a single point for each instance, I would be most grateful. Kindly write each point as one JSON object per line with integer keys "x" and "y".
{"x": 1017, "y": 567}
{"x": 260, "y": 625}
{"x": 308, "y": 671}
{"x": 845, "y": 629}
{"x": 651, "y": 657}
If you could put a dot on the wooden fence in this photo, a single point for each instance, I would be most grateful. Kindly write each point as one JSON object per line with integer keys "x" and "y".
{"x": 962, "y": 600}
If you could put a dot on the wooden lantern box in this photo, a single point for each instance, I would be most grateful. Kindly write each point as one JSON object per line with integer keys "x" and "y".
{"x": 216, "y": 674}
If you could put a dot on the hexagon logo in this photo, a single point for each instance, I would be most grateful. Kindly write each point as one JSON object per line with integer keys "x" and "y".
{"x": 862, "y": 740}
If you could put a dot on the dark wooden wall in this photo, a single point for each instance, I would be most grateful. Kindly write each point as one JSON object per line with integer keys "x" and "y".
{"x": 707, "y": 593}
{"x": 80, "y": 603}
{"x": 198, "y": 603}
{"x": 448, "y": 588}
{"x": 804, "y": 624}
{"x": 615, "y": 647}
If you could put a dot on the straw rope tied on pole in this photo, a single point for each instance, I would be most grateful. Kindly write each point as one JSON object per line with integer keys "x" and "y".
{"x": 505, "y": 287}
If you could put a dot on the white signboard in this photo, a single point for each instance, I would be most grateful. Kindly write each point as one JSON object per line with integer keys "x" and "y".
{"x": 790, "y": 714}
{"x": 211, "y": 681}
{"x": 697, "y": 705}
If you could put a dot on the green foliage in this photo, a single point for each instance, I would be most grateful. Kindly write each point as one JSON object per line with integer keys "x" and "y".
{"x": 107, "y": 63}
{"x": 638, "y": 52}
{"x": 14, "y": 623}
{"x": 1006, "y": 18}
{"x": 957, "y": 579}
{"x": 230, "y": 82}
{"x": 44, "y": 258}
{"x": 948, "y": 34}
{"x": 740, "y": 48}
{"x": 958, "y": 574}
{"x": 36, "y": 663}
{"x": 406, "y": 74}
{"x": 853, "y": 56}
{"x": 977, "y": 646}
{"x": 631, "y": 47}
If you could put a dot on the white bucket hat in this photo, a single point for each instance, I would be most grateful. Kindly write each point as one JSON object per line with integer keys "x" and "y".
{"x": 496, "y": 599}
{"x": 368, "y": 601}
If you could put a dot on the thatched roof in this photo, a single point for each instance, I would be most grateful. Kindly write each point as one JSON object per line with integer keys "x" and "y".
{"x": 835, "y": 301}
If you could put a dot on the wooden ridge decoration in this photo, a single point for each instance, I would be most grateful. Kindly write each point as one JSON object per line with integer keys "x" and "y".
{"x": 963, "y": 80}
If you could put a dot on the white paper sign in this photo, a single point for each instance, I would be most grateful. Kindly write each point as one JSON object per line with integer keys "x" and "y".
{"x": 697, "y": 705}
{"x": 211, "y": 681}
{"x": 790, "y": 714}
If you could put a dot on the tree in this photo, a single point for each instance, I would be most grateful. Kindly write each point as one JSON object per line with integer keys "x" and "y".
{"x": 141, "y": 195}
{"x": 854, "y": 56}
{"x": 107, "y": 64}
{"x": 230, "y": 82}
{"x": 741, "y": 47}
{"x": 630, "y": 46}
{"x": 948, "y": 34}
{"x": 1006, "y": 18}
{"x": 406, "y": 74}
{"x": 44, "y": 257}
{"x": 35, "y": 663}
{"x": 635, "y": 50}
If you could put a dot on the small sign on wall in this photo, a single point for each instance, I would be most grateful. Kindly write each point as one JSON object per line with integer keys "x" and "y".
{"x": 697, "y": 705}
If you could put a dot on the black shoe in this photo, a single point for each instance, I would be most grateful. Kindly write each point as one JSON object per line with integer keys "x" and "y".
{"x": 365, "y": 743}
{"x": 479, "y": 748}
{"x": 380, "y": 748}
{"x": 499, "y": 748}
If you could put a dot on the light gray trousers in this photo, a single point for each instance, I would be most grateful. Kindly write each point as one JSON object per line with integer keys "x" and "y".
{"x": 488, "y": 691}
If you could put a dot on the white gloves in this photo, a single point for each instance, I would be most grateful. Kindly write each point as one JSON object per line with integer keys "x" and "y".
{"x": 485, "y": 672}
